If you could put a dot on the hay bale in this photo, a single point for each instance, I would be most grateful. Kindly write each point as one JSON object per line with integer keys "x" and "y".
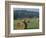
{"x": 20, "y": 25}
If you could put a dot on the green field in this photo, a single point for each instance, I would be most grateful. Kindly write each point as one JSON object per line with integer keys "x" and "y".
{"x": 34, "y": 23}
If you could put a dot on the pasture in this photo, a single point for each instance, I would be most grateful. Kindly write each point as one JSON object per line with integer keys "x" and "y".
{"x": 33, "y": 23}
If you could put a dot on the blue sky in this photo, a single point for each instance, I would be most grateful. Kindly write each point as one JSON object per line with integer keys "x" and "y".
{"x": 29, "y": 9}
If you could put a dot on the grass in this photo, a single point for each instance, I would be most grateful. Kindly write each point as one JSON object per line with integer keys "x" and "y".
{"x": 34, "y": 23}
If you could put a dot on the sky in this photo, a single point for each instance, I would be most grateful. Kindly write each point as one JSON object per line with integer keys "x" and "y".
{"x": 29, "y": 9}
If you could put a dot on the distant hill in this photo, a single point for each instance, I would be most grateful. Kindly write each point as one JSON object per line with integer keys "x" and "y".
{"x": 25, "y": 14}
